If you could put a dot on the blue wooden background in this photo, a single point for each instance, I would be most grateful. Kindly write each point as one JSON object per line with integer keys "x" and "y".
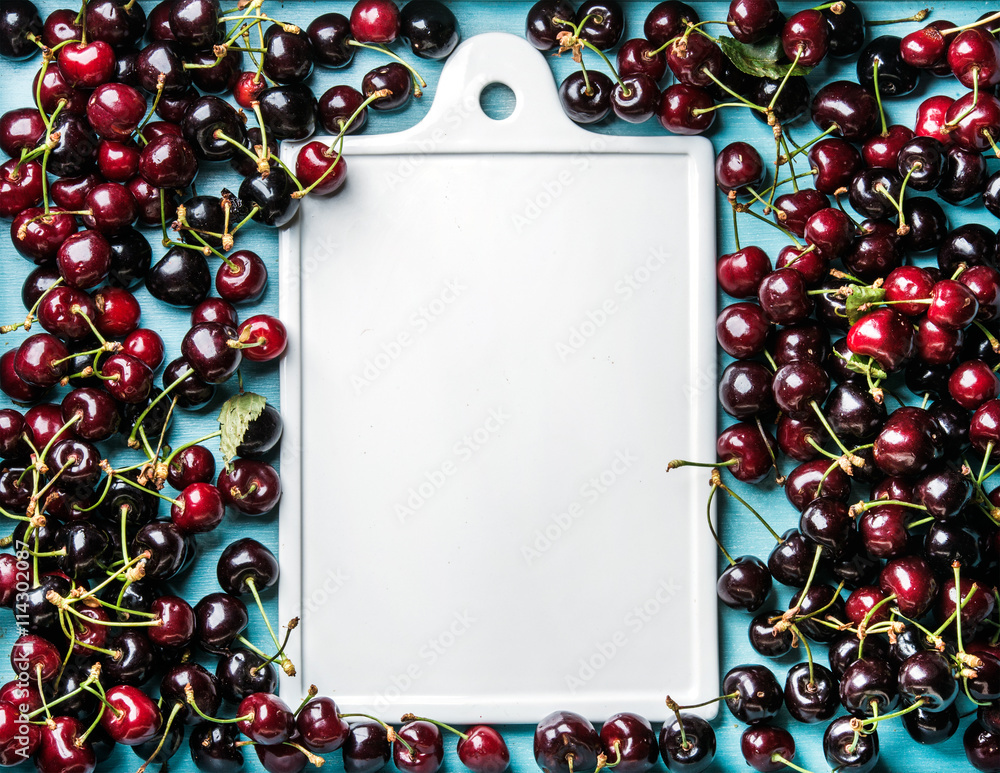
{"x": 740, "y": 532}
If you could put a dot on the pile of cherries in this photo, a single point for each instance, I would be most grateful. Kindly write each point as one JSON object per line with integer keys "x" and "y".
{"x": 900, "y": 580}
{"x": 125, "y": 110}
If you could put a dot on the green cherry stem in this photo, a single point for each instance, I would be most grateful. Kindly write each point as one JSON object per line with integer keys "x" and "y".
{"x": 711, "y": 527}
{"x": 173, "y": 385}
{"x": 390, "y": 731}
{"x": 415, "y": 718}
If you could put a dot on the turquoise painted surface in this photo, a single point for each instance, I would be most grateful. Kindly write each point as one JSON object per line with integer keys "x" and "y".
{"x": 740, "y": 532}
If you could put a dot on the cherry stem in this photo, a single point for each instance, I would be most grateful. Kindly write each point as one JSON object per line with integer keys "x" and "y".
{"x": 975, "y": 100}
{"x": 979, "y": 23}
{"x": 133, "y": 484}
{"x": 138, "y": 423}
{"x": 781, "y": 228}
{"x": 417, "y": 78}
{"x": 286, "y": 663}
{"x": 736, "y": 230}
{"x": 711, "y": 528}
{"x": 163, "y": 738}
{"x": 168, "y": 459}
{"x": 829, "y": 429}
{"x": 866, "y": 620}
{"x": 746, "y": 102}
{"x": 310, "y": 694}
{"x": 675, "y": 463}
{"x": 793, "y": 611}
{"x": 864, "y": 507}
{"x": 99, "y": 693}
{"x": 717, "y": 481}
{"x": 190, "y": 701}
{"x": 918, "y": 16}
{"x": 788, "y": 73}
{"x": 32, "y": 312}
{"x": 413, "y": 718}
{"x": 986, "y": 457}
{"x": 776, "y": 757}
{"x": 809, "y": 654}
{"x": 806, "y": 146}
{"x": 292, "y": 625}
{"x": 874, "y": 720}
{"x": 390, "y": 731}
{"x": 160, "y": 83}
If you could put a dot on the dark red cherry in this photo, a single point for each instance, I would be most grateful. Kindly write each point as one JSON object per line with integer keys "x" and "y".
{"x": 20, "y": 128}
{"x": 375, "y": 21}
{"x": 541, "y": 25}
{"x": 272, "y": 723}
{"x": 86, "y": 65}
{"x": 639, "y": 56}
{"x": 848, "y": 107}
{"x": 586, "y": 100}
{"x": 565, "y": 741}
{"x": 329, "y": 34}
{"x": 684, "y": 109}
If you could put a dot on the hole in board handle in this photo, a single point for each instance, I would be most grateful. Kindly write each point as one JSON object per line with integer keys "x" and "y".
{"x": 497, "y": 100}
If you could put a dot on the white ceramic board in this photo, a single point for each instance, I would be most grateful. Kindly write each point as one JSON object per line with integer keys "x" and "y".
{"x": 500, "y": 333}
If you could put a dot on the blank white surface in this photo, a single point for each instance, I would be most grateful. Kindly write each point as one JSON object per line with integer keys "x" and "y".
{"x": 500, "y": 333}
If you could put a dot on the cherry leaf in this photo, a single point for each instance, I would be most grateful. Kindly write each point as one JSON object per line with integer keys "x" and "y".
{"x": 857, "y": 300}
{"x": 234, "y": 418}
{"x": 759, "y": 59}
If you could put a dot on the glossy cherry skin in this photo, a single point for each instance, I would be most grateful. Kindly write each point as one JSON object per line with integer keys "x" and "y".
{"x": 194, "y": 22}
{"x": 843, "y": 747}
{"x": 836, "y": 161}
{"x": 692, "y": 753}
{"x": 972, "y": 122}
{"x": 750, "y": 447}
{"x": 366, "y": 749}
{"x": 20, "y": 128}
{"x": 115, "y": 110}
{"x": 585, "y": 105}
{"x": 913, "y": 582}
{"x": 882, "y": 150}
{"x": 974, "y": 56}
{"x": 329, "y": 34}
{"x": 865, "y": 681}
{"x": 739, "y": 273}
{"x": 964, "y": 177}
{"x": 181, "y": 277}
{"x": 246, "y": 562}
{"x": 637, "y": 56}
{"x": 86, "y": 65}
{"x": 206, "y": 349}
{"x": 59, "y": 752}
{"x": 272, "y": 196}
{"x": 204, "y": 119}
{"x": 321, "y": 727}
{"x": 39, "y": 239}
{"x": 219, "y": 619}
{"x": 288, "y": 56}
{"x": 242, "y": 673}
{"x": 484, "y": 750}
{"x": 750, "y": 20}
{"x": 137, "y": 718}
{"x": 884, "y": 335}
{"x": 269, "y": 335}
{"x": 972, "y": 383}
{"x": 927, "y": 676}
{"x": 20, "y": 188}
{"x": 40, "y": 360}
{"x": 375, "y": 21}
{"x": 214, "y": 748}
{"x": 758, "y": 694}
{"x": 55, "y": 313}
{"x": 676, "y": 113}
{"x": 427, "y": 747}
{"x": 251, "y": 487}
{"x": 765, "y": 747}
{"x": 289, "y": 111}
{"x": 272, "y": 723}
{"x": 784, "y": 297}
{"x": 745, "y": 584}
{"x": 848, "y": 107}
{"x": 802, "y": 483}
{"x": 564, "y": 741}
{"x": 198, "y": 509}
{"x": 896, "y": 77}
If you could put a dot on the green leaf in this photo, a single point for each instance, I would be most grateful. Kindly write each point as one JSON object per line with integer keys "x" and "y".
{"x": 234, "y": 418}
{"x": 859, "y": 298}
{"x": 759, "y": 59}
